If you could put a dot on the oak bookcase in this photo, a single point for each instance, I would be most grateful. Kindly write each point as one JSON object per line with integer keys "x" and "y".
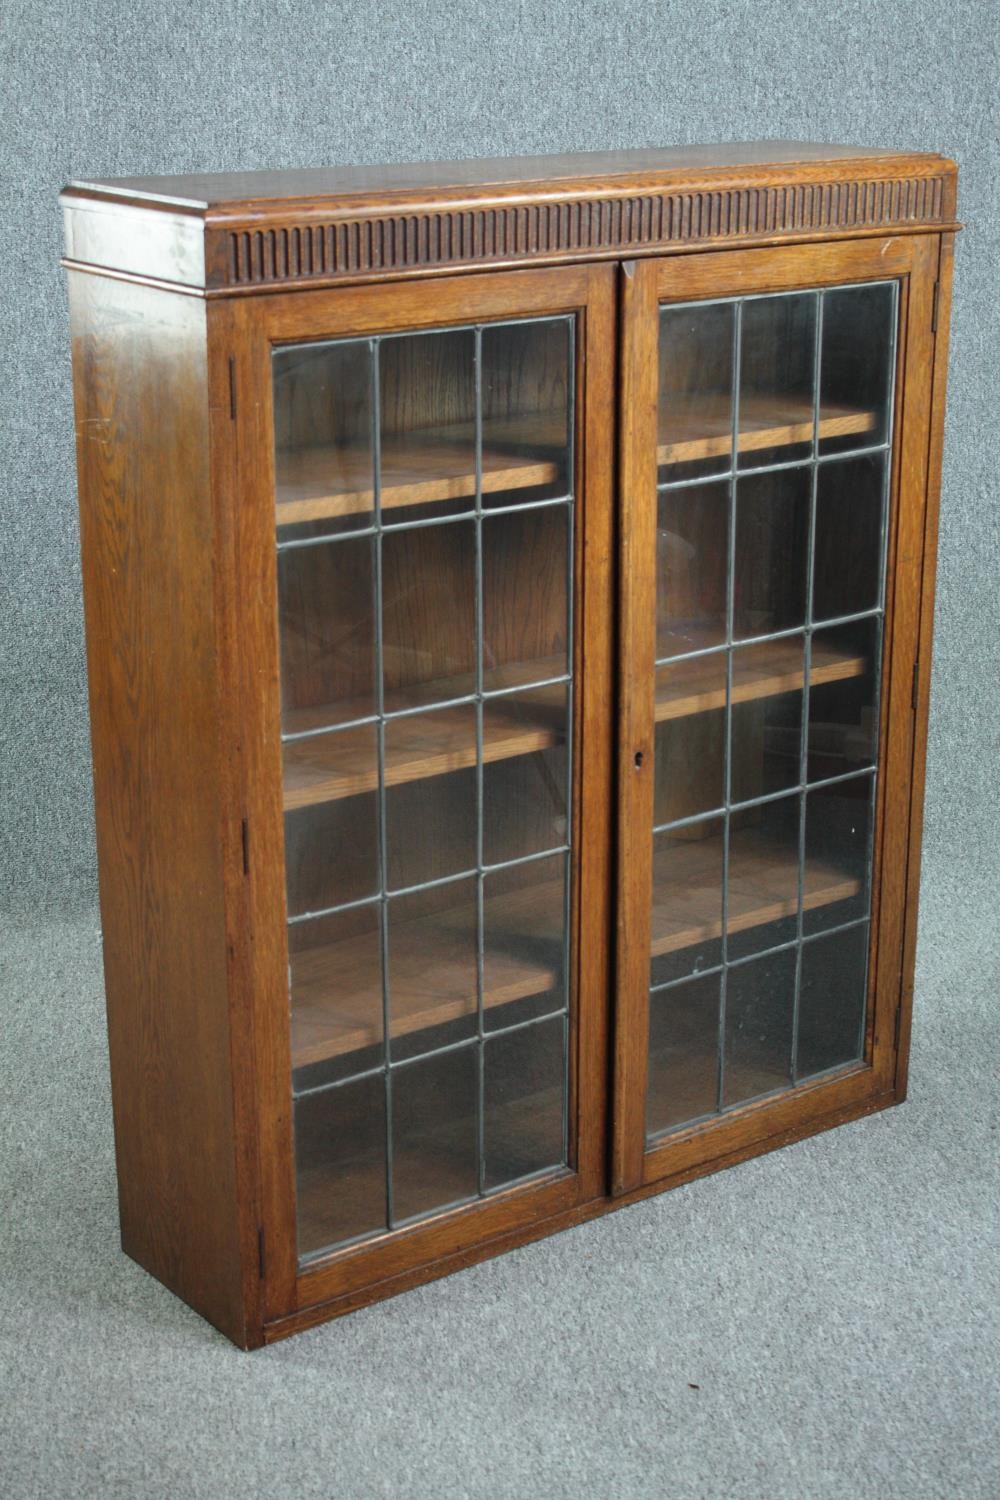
{"x": 508, "y": 598}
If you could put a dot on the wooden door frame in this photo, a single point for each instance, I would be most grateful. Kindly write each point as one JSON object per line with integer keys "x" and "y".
{"x": 914, "y": 261}
{"x": 242, "y": 334}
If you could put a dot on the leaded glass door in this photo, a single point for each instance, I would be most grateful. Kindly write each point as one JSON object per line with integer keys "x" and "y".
{"x": 428, "y": 523}
{"x": 758, "y": 508}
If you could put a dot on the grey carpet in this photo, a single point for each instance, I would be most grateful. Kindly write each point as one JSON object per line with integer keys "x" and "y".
{"x": 822, "y": 1322}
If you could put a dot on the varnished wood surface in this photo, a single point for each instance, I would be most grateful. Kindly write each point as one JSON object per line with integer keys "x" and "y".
{"x": 212, "y": 189}
{"x": 326, "y": 226}
{"x": 704, "y": 429}
{"x": 148, "y": 543}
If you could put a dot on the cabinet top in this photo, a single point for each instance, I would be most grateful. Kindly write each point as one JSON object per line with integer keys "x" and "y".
{"x": 231, "y": 232}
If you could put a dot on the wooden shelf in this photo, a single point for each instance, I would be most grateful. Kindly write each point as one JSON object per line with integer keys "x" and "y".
{"x": 705, "y": 430}
{"x": 434, "y": 463}
{"x": 342, "y": 764}
{"x": 433, "y": 981}
{"x": 335, "y": 1011}
{"x": 763, "y": 671}
{"x": 687, "y": 899}
{"x": 437, "y": 463}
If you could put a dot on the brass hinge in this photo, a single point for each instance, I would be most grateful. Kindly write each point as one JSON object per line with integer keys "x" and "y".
{"x": 934, "y": 306}
{"x": 261, "y": 1261}
{"x": 915, "y": 685}
{"x": 232, "y": 387}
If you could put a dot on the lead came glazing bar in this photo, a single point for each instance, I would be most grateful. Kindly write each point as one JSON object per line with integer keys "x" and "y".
{"x": 833, "y": 847}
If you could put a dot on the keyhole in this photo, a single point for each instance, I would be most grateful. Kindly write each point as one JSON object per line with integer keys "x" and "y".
{"x": 638, "y": 759}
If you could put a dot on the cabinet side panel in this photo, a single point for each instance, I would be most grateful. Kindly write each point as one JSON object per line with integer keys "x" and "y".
{"x": 139, "y": 359}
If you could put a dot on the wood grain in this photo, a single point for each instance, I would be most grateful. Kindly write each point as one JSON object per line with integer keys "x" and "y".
{"x": 148, "y": 543}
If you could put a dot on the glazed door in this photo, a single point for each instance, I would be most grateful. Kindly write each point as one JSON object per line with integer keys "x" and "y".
{"x": 434, "y": 1021}
{"x": 768, "y": 460}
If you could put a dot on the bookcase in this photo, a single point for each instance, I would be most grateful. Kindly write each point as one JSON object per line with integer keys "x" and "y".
{"x": 508, "y": 596}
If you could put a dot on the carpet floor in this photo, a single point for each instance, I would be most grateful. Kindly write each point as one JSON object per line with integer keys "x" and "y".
{"x": 824, "y": 1321}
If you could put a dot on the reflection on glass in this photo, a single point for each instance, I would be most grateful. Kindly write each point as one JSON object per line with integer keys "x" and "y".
{"x": 340, "y": 1164}
{"x": 856, "y": 373}
{"x": 335, "y": 975}
{"x": 434, "y": 1132}
{"x": 690, "y": 749}
{"x": 425, "y": 697}
{"x": 766, "y": 709}
{"x": 432, "y": 967}
{"x": 331, "y": 854}
{"x": 527, "y": 428}
{"x": 763, "y": 887}
{"x": 326, "y": 634}
{"x": 766, "y": 722}
{"x": 696, "y": 375}
{"x": 429, "y": 628}
{"x": 523, "y": 1101}
{"x": 777, "y": 375}
{"x": 428, "y": 455}
{"x": 772, "y": 534}
{"x": 687, "y": 900}
{"x": 850, "y": 499}
{"x": 842, "y": 709}
{"x": 323, "y": 462}
{"x": 683, "y": 1053}
{"x": 692, "y": 528}
{"x": 760, "y": 1004}
{"x": 832, "y": 1000}
{"x": 524, "y": 925}
{"x": 525, "y": 792}
{"x": 838, "y": 840}
{"x": 525, "y": 619}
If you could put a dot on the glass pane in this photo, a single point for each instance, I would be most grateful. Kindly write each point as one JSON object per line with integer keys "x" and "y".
{"x": 323, "y": 463}
{"x": 687, "y": 900}
{"x": 766, "y": 709}
{"x": 426, "y": 721}
{"x": 327, "y": 634}
{"x": 850, "y": 502}
{"x": 331, "y": 854}
{"x": 832, "y": 1000}
{"x": 335, "y": 968}
{"x": 690, "y": 738}
{"x": 760, "y": 1004}
{"x": 766, "y": 721}
{"x": 340, "y": 1164}
{"x": 856, "y": 372}
{"x": 524, "y": 1098}
{"x": 429, "y": 614}
{"x": 525, "y": 572}
{"x": 772, "y": 537}
{"x": 527, "y": 429}
{"x": 433, "y": 967}
{"x": 692, "y": 540}
{"x": 696, "y": 382}
{"x": 427, "y": 403}
{"x": 524, "y": 926}
{"x": 430, "y": 800}
{"x": 525, "y": 791}
{"x": 777, "y": 379}
{"x": 763, "y": 876}
{"x": 683, "y": 1053}
{"x": 434, "y": 1133}
{"x": 842, "y": 698}
{"x": 838, "y": 848}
